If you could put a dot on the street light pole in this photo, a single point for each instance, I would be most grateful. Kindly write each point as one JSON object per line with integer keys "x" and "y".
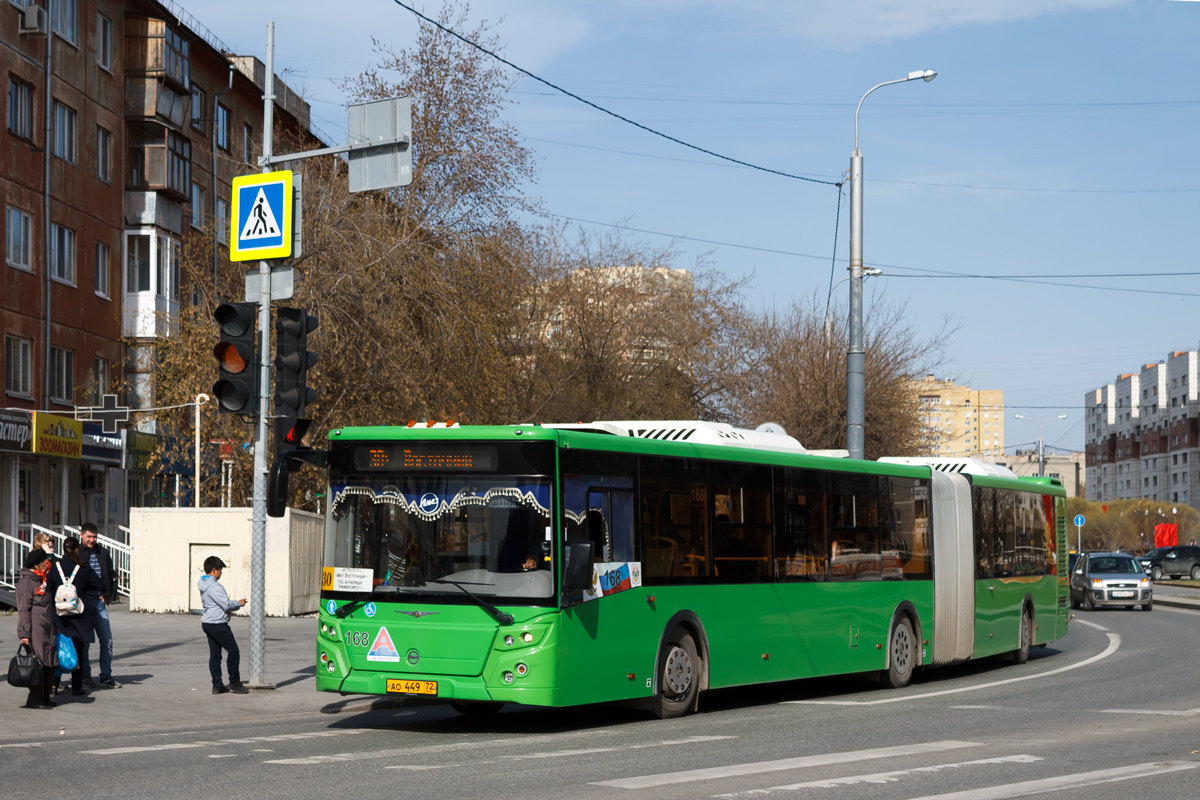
{"x": 1041, "y": 450}
{"x": 855, "y": 353}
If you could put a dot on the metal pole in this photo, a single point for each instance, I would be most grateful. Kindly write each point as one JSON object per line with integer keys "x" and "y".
{"x": 1041, "y": 454}
{"x": 855, "y": 355}
{"x": 47, "y": 149}
{"x": 200, "y": 399}
{"x": 258, "y": 552}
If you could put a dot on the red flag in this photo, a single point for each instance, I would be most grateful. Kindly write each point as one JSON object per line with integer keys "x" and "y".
{"x": 1104, "y": 508}
{"x": 1171, "y": 536}
{"x": 1158, "y": 535}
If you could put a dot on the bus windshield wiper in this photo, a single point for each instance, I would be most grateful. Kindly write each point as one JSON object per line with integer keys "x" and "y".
{"x": 344, "y": 611}
{"x": 500, "y": 616}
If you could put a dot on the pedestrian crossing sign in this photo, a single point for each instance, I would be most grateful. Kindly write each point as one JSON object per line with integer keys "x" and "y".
{"x": 261, "y": 216}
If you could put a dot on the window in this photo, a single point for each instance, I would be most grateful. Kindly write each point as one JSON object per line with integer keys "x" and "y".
{"x": 198, "y": 109}
{"x": 62, "y": 374}
{"x": 62, "y": 253}
{"x": 101, "y": 257}
{"x": 674, "y": 511}
{"x": 222, "y": 127}
{"x": 802, "y": 543}
{"x": 177, "y": 58}
{"x": 168, "y": 268}
{"x": 180, "y": 176}
{"x": 907, "y": 538}
{"x": 20, "y": 108}
{"x": 247, "y": 138}
{"x": 742, "y": 524}
{"x": 66, "y": 19}
{"x": 104, "y": 42}
{"x": 17, "y": 238}
{"x": 598, "y": 505}
{"x": 64, "y": 132}
{"x": 854, "y": 527}
{"x": 18, "y": 366}
{"x": 138, "y": 266}
{"x": 222, "y": 221}
{"x": 197, "y": 206}
{"x": 103, "y": 154}
{"x": 99, "y": 380}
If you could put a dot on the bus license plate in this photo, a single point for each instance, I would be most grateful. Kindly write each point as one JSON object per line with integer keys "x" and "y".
{"x": 412, "y": 687}
{"x": 1122, "y": 594}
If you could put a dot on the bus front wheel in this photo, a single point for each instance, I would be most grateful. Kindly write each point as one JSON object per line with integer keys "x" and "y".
{"x": 901, "y": 655}
{"x": 1025, "y": 640}
{"x": 678, "y": 676}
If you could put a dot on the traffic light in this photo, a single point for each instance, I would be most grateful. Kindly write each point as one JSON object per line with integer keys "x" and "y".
{"x": 292, "y": 362}
{"x": 236, "y": 389}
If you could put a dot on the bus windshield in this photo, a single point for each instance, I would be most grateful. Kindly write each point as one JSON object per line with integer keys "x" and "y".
{"x": 428, "y": 534}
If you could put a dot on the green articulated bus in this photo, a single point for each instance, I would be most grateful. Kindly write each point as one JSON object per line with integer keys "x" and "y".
{"x": 557, "y": 565}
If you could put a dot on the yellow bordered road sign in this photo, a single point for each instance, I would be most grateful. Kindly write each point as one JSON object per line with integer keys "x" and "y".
{"x": 261, "y": 216}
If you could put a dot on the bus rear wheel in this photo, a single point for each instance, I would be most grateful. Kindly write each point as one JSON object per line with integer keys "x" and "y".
{"x": 678, "y": 676}
{"x": 902, "y": 655}
{"x": 475, "y": 708}
{"x": 1025, "y": 640}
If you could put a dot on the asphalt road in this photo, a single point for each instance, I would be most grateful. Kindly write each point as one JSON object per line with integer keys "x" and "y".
{"x": 1112, "y": 711}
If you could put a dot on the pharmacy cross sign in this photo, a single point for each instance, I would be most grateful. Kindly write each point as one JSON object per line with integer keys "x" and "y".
{"x": 108, "y": 413}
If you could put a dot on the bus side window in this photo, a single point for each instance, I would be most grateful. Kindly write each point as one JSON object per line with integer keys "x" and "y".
{"x": 801, "y": 537}
{"x": 855, "y": 527}
{"x": 741, "y": 538}
{"x": 1005, "y": 542}
{"x": 598, "y": 502}
{"x": 674, "y": 498}
{"x": 984, "y": 501}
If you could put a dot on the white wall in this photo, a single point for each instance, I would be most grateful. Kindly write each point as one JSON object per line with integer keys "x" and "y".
{"x": 165, "y": 539}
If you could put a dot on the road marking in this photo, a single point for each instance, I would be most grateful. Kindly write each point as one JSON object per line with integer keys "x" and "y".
{"x": 407, "y": 752}
{"x": 759, "y": 767}
{"x": 1191, "y": 712}
{"x": 114, "y": 751}
{"x": 668, "y": 743}
{"x": 409, "y": 766}
{"x": 1114, "y": 641}
{"x": 1091, "y": 624}
{"x": 1066, "y": 781}
{"x": 223, "y": 755}
{"x": 969, "y": 708}
{"x": 884, "y": 777}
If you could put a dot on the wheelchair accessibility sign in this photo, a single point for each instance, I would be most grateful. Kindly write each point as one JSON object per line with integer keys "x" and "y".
{"x": 261, "y": 216}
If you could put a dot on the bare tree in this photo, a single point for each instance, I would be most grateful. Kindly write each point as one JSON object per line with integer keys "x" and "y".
{"x": 798, "y": 378}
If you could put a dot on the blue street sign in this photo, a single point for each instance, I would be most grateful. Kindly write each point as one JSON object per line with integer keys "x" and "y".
{"x": 261, "y": 216}
{"x": 1079, "y": 520}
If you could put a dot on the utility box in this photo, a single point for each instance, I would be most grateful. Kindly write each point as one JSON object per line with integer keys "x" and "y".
{"x": 169, "y": 546}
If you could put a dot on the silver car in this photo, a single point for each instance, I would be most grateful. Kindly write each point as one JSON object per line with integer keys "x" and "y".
{"x": 1110, "y": 579}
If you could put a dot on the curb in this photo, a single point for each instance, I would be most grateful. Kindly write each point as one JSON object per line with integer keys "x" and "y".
{"x": 1177, "y": 602}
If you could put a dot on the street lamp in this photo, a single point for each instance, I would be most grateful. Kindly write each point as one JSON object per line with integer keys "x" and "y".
{"x": 1041, "y": 451}
{"x": 855, "y": 354}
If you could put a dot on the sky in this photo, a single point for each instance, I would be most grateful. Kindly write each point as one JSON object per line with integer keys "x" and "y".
{"x": 1056, "y": 153}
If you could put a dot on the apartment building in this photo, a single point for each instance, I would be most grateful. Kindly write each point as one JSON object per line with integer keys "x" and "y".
{"x": 1067, "y": 467}
{"x": 958, "y": 420}
{"x": 106, "y": 169}
{"x": 1143, "y": 433}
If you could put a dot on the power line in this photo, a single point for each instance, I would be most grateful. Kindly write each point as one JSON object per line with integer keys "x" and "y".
{"x": 933, "y": 273}
{"x": 604, "y": 110}
{"x": 967, "y": 186}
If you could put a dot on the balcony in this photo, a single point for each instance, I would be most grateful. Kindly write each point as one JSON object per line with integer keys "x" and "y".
{"x": 160, "y": 160}
{"x": 152, "y": 48}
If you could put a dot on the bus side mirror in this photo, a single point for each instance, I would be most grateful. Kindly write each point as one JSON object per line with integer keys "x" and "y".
{"x": 285, "y": 464}
{"x": 578, "y": 575}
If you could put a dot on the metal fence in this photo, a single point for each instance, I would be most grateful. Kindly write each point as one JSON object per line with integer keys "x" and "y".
{"x": 13, "y": 550}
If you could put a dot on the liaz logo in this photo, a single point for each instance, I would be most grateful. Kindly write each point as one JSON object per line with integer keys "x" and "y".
{"x": 428, "y": 502}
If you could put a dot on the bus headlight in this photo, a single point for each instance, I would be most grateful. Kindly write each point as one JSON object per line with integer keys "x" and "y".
{"x": 526, "y": 637}
{"x": 508, "y": 641}
{"x": 330, "y": 666}
{"x": 507, "y": 677}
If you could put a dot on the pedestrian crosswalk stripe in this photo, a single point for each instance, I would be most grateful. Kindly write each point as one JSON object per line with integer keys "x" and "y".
{"x": 759, "y": 767}
{"x": 1076, "y": 781}
{"x": 884, "y": 777}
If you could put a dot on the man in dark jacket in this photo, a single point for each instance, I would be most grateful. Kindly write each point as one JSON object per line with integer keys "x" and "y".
{"x": 97, "y": 559}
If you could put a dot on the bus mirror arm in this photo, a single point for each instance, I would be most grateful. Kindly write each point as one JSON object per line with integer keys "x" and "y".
{"x": 287, "y": 462}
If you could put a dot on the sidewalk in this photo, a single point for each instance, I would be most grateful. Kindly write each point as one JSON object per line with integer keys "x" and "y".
{"x": 162, "y": 662}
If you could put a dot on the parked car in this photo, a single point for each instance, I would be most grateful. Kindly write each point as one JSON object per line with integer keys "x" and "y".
{"x": 1110, "y": 579}
{"x": 1172, "y": 562}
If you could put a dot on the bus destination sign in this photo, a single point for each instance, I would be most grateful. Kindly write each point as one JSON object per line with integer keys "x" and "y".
{"x": 425, "y": 458}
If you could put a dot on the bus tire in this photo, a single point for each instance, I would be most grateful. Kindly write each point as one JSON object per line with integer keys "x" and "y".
{"x": 475, "y": 708}
{"x": 678, "y": 675}
{"x": 902, "y": 655}
{"x": 1024, "y": 638}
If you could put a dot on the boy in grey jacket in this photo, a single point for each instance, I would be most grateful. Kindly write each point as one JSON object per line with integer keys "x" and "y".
{"x": 216, "y": 606}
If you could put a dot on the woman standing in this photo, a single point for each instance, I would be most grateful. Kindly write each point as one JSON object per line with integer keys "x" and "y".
{"x": 76, "y": 626}
{"x": 44, "y": 542}
{"x": 36, "y": 623}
